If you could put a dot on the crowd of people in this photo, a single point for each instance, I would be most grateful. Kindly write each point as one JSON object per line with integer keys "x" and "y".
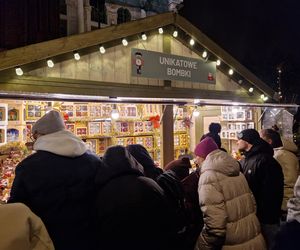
{"x": 65, "y": 197}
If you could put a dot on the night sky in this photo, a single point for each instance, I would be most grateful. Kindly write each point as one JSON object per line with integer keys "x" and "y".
{"x": 260, "y": 34}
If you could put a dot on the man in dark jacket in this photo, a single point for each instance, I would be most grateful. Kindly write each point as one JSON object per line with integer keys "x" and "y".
{"x": 140, "y": 153}
{"x": 265, "y": 179}
{"x": 132, "y": 211}
{"x": 57, "y": 183}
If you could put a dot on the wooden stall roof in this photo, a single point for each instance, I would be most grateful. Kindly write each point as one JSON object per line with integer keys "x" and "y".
{"x": 34, "y": 53}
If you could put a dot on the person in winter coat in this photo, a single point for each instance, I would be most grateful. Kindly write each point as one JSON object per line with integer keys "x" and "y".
{"x": 180, "y": 167}
{"x": 285, "y": 153}
{"x": 57, "y": 184}
{"x": 226, "y": 202}
{"x": 288, "y": 236}
{"x": 169, "y": 181}
{"x": 143, "y": 157}
{"x": 265, "y": 179}
{"x": 214, "y": 130}
{"x": 131, "y": 208}
{"x": 192, "y": 206}
{"x": 22, "y": 229}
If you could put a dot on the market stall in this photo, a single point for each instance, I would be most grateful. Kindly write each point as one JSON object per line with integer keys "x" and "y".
{"x": 136, "y": 82}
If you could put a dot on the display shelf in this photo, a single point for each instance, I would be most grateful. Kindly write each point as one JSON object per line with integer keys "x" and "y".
{"x": 3, "y": 114}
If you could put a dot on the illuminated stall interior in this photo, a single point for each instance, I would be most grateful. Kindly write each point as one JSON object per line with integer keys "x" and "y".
{"x": 88, "y": 77}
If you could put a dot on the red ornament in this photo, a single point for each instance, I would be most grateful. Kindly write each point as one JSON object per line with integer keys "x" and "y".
{"x": 155, "y": 121}
{"x": 66, "y": 116}
{"x": 187, "y": 122}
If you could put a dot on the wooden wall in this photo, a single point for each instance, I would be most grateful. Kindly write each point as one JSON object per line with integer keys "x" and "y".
{"x": 115, "y": 66}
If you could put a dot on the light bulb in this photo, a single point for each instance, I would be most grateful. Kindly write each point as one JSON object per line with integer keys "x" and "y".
{"x": 175, "y": 33}
{"x": 160, "y": 30}
{"x": 266, "y": 98}
{"x": 204, "y": 54}
{"x": 192, "y": 42}
{"x": 50, "y": 63}
{"x": 102, "y": 50}
{"x": 124, "y": 42}
{"x": 251, "y": 90}
{"x": 218, "y": 62}
{"x": 262, "y": 96}
{"x": 19, "y": 71}
{"x": 144, "y": 37}
{"x": 115, "y": 114}
{"x": 230, "y": 72}
{"x": 196, "y": 113}
{"x": 76, "y": 56}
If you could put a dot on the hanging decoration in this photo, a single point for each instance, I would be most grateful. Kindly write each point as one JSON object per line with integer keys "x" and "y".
{"x": 187, "y": 122}
{"x": 65, "y": 116}
{"x": 155, "y": 121}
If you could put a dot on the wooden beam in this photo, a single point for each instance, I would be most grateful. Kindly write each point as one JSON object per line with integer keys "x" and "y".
{"x": 167, "y": 135}
{"x": 93, "y": 88}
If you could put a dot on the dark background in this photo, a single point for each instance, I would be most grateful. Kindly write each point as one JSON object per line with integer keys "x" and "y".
{"x": 261, "y": 35}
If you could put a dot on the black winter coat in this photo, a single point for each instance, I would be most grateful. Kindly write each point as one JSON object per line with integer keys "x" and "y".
{"x": 131, "y": 208}
{"x": 288, "y": 236}
{"x": 61, "y": 191}
{"x": 141, "y": 154}
{"x": 265, "y": 179}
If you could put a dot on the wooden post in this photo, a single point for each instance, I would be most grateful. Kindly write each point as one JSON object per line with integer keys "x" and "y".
{"x": 167, "y": 123}
{"x": 167, "y": 135}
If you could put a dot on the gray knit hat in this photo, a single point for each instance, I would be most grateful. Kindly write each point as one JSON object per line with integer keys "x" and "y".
{"x": 49, "y": 123}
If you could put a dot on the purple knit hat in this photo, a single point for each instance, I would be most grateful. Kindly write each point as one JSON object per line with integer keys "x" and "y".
{"x": 205, "y": 147}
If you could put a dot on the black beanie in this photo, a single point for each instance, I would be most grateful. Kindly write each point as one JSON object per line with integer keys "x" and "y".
{"x": 249, "y": 135}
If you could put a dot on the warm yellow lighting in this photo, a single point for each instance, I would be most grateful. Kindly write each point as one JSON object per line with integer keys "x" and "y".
{"x": 76, "y": 56}
{"x": 204, "y": 54}
{"x": 262, "y": 96}
{"x": 50, "y": 63}
{"x": 19, "y": 71}
{"x": 175, "y": 33}
{"x": 102, "y": 50}
{"x": 160, "y": 30}
{"x": 251, "y": 90}
{"x": 192, "y": 42}
{"x": 196, "y": 113}
{"x": 124, "y": 42}
{"x": 266, "y": 98}
{"x": 218, "y": 62}
{"x": 144, "y": 37}
{"x": 115, "y": 114}
{"x": 230, "y": 72}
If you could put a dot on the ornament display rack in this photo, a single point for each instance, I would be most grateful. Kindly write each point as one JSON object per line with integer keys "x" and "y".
{"x": 234, "y": 120}
{"x": 135, "y": 124}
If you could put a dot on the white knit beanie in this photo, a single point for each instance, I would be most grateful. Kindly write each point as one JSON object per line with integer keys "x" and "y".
{"x": 49, "y": 123}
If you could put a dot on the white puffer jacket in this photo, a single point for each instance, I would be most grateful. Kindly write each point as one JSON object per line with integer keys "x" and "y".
{"x": 228, "y": 207}
{"x": 286, "y": 157}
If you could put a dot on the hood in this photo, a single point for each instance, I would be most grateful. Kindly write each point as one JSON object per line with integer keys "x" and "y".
{"x": 118, "y": 162}
{"x": 288, "y": 145}
{"x": 143, "y": 157}
{"x": 293, "y": 204}
{"x": 221, "y": 162}
{"x": 62, "y": 143}
{"x": 262, "y": 148}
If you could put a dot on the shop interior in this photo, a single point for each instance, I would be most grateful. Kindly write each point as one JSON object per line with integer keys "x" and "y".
{"x": 102, "y": 124}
